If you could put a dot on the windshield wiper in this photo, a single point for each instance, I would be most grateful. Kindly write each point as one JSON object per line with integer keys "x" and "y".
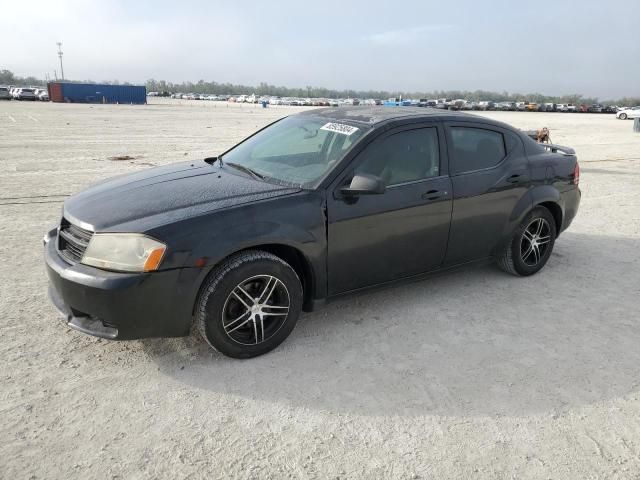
{"x": 248, "y": 170}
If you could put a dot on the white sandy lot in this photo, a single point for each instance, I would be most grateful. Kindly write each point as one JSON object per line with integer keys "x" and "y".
{"x": 472, "y": 374}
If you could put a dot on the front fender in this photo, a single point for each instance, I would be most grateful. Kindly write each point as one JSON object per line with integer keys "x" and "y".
{"x": 296, "y": 221}
{"x": 221, "y": 244}
{"x": 213, "y": 250}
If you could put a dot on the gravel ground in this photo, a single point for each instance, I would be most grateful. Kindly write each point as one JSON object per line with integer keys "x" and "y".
{"x": 473, "y": 374}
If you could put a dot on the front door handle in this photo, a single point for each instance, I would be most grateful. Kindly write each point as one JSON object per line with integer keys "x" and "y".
{"x": 431, "y": 195}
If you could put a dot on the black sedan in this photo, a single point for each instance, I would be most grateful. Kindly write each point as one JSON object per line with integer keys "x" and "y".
{"x": 313, "y": 206}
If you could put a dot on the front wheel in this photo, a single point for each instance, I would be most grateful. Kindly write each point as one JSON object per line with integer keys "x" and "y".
{"x": 531, "y": 244}
{"x": 623, "y": 116}
{"x": 249, "y": 305}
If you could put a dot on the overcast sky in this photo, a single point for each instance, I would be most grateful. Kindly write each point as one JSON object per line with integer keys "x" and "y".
{"x": 583, "y": 46}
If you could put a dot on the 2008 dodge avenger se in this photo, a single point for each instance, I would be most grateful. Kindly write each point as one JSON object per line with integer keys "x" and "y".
{"x": 313, "y": 206}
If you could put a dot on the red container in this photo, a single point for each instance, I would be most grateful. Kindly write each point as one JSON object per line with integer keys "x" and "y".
{"x": 55, "y": 92}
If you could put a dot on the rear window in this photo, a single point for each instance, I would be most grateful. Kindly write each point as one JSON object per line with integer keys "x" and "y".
{"x": 3, "y": 89}
{"x": 27, "y": 90}
{"x": 476, "y": 149}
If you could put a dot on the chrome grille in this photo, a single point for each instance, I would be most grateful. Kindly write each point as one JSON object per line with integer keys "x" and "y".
{"x": 72, "y": 241}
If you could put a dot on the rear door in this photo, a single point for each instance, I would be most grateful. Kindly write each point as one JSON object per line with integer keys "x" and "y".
{"x": 402, "y": 232}
{"x": 490, "y": 175}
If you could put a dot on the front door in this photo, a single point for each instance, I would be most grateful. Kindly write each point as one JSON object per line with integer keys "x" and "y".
{"x": 402, "y": 232}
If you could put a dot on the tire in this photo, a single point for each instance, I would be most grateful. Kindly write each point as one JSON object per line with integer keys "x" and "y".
{"x": 531, "y": 244}
{"x": 623, "y": 116}
{"x": 249, "y": 304}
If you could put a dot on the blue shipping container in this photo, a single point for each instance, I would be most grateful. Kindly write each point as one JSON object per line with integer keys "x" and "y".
{"x": 96, "y": 93}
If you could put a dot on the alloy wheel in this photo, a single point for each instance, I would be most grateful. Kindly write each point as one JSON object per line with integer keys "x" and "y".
{"x": 535, "y": 241}
{"x": 256, "y": 309}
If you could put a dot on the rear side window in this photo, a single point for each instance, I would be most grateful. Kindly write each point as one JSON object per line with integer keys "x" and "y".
{"x": 475, "y": 149}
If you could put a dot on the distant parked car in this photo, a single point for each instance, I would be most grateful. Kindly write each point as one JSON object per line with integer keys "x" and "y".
{"x": 43, "y": 96}
{"x": 595, "y": 108}
{"x": 571, "y": 108}
{"x": 531, "y": 107}
{"x": 507, "y": 106}
{"x": 632, "y": 112}
{"x": 24, "y": 94}
{"x": 457, "y": 104}
{"x": 4, "y": 93}
{"x": 485, "y": 105}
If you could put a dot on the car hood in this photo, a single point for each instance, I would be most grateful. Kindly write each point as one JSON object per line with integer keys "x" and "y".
{"x": 157, "y": 196}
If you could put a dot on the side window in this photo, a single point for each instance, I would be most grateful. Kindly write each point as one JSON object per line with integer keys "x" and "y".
{"x": 403, "y": 157}
{"x": 475, "y": 148}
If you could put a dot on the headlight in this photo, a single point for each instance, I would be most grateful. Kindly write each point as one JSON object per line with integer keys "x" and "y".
{"x": 128, "y": 252}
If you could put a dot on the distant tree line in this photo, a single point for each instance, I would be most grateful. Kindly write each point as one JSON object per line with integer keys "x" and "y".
{"x": 8, "y": 78}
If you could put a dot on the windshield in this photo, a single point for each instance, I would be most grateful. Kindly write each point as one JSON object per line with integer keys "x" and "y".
{"x": 297, "y": 150}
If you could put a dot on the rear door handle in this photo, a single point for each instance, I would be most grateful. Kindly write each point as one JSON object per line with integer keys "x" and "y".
{"x": 516, "y": 178}
{"x": 431, "y": 195}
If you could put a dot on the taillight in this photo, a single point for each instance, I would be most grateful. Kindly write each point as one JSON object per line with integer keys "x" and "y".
{"x": 576, "y": 174}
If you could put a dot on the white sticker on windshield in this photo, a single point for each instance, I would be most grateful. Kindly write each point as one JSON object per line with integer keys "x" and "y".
{"x": 339, "y": 128}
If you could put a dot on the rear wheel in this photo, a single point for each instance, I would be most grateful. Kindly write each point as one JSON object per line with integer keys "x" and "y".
{"x": 249, "y": 305}
{"x": 531, "y": 244}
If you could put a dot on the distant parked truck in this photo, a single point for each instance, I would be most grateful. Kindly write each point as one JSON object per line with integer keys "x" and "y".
{"x": 66, "y": 92}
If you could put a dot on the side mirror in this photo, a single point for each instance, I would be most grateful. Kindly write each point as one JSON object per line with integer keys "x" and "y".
{"x": 364, "y": 184}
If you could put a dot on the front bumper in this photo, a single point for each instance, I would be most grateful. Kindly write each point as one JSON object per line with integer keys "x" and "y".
{"x": 119, "y": 306}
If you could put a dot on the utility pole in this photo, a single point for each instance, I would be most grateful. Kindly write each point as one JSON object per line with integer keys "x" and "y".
{"x": 60, "y": 57}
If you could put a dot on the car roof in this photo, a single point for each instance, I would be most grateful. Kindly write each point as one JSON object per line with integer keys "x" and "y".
{"x": 374, "y": 116}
